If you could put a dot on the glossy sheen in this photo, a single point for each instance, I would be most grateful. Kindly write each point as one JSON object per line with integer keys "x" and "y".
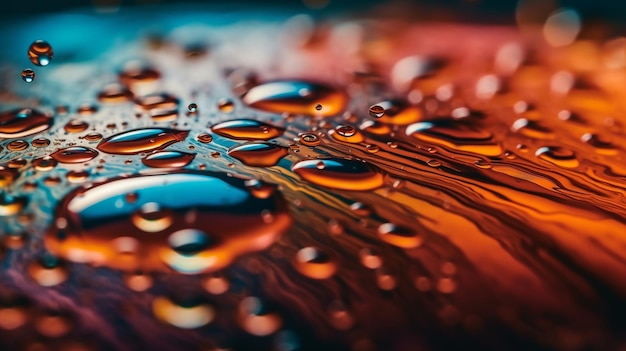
{"x": 74, "y": 154}
{"x": 340, "y": 174}
{"x": 247, "y": 129}
{"x": 168, "y": 159}
{"x": 258, "y": 154}
{"x": 141, "y": 140}
{"x": 22, "y": 122}
{"x": 296, "y": 97}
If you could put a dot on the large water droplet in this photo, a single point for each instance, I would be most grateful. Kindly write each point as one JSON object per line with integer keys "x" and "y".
{"x": 141, "y": 140}
{"x": 339, "y": 173}
{"x": 224, "y": 210}
{"x": 296, "y": 97}
{"x": 258, "y": 154}
{"x": 247, "y": 129}
{"x": 75, "y": 154}
{"x": 22, "y": 122}
{"x": 40, "y": 53}
{"x": 456, "y": 135}
{"x": 168, "y": 159}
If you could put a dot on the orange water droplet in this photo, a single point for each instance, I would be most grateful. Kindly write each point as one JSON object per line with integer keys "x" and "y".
{"x": 558, "y": 155}
{"x": 168, "y": 159}
{"x": 22, "y": 122}
{"x": 314, "y": 263}
{"x": 141, "y": 140}
{"x": 48, "y": 270}
{"x": 247, "y": 129}
{"x": 75, "y": 154}
{"x": 184, "y": 315}
{"x": 76, "y": 126}
{"x": 398, "y": 112}
{"x": 40, "y": 142}
{"x": 309, "y": 139}
{"x": 17, "y": 145}
{"x": 340, "y": 174}
{"x": 115, "y": 93}
{"x": 400, "y": 236}
{"x": 44, "y": 164}
{"x": 296, "y": 97}
{"x": 255, "y": 318}
{"x": 40, "y": 53}
{"x": 258, "y": 154}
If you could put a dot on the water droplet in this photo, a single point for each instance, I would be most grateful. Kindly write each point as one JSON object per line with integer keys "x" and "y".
{"x": 484, "y": 164}
{"x": 340, "y": 174}
{"x": 247, "y": 129}
{"x": 158, "y": 103}
{"x": 398, "y": 112}
{"x": 205, "y": 138}
{"x": 40, "y": 142}
{"x": 86, "y": 110}
{"x": 309, "y": 139}
{"x": 76, "y": 126}
{"x": 296, "y": 97}
{"x": 168, "y": 159}
{"x": 183, "y": 314}
{"x": 17, "y": 163}
{"x": 314, "y": 263}
{"x": 7, "y": 176}
{"x": 52, "y": 180}
{"x": 375, "y": 127}
{"x": 44, "y": 164}
{"x": 434, "y": 163}
{"x": 10, "y": 206}
{"x": 376, "y": 111}
{"x": 224, "y": 207}
{"x": 48, "y": 270}
{"x": 23, "y": 122}
{"x": 255, "y": 318}
{"x": 400, "y": 236}
{"x": 601, "y": 146}
{"x": 94, "y": 136}
{"x": 192, "y": 108}
{"x": 318, "y": 107}
{"x": 446, "y": 285}
{"x": 75, "y": 154}
{"x": 457, "y": 135}
{"x": 40, "y": 53}
{"x": 17, "y": 145}
{"x": 558, "y": 155}
{"x": 215, "y": 284}
{"x": 260, "y": 189}
{"x": 372, "y": 149}
{"x": 139, "y": 78}
{"x": 346, "y": 133}
{"x": 53, "y": 323}
{"x": 141, "y": 140}
{"x": 532, "y": 129}
{"x": 340, "y": 317}
{"x": 370, "y": 258}
{"x": 385, "y": 280}
{"x": 225, "y": 105}
{"x": 258, "y": 154}
{"x": 138, "y": 281}
{"x": 77, "y": 176}
{"x": 28, "y": 75}
{"x": 115, "y": 93}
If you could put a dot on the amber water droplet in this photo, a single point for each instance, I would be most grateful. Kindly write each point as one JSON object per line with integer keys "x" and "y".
{"x": 372, "y": 149}
{"x": 457, "y": 135}
{"x": 375, "y": 127}
{"x": 346, "y": 133}
{"x": 52, "y": 180}
{"x": 340, "y": 317}
{"x": 314, "y": 263}
{"x": 141, "y": 140}
{"x": 28, "y": 75}
{"x": 17, "y": 163}
{"x": 48, "y": 270}
{"x": 183, "y": 314}
{"x": 360, "y": 209}
{"x": 532, "y": 129}
{"x": 158, "y": 102}
{"x": 227, "y": 222}
{"x": 205, "y": 138}
{"x": 260, "y": 189}
{"x": 434, "y": 163}
{"x": 400, "y": 236}
{"x": 215, "y": 284}
{"x": 296, "y": 97}
{"x": 600, "y": 145}
{"x": 370, "y": 258}
{"x": 17, "y": 145}
{"x": 40, "y": 53}
{"x": 115, "y": 93}
{"x": 192, "y": 108}
{"x": 76, "y": 126}
{"x": 247, "y": 129}
{"x": 138, "y": 281}
{"x": 44, "y": 164}
{"x": 225, "y": 105}
{"x": 558, "y": 155}
{"x": 23, "y": 122}
{"x": 385, "y": 280}
{"x": 168, "y": 159}
{"x": 318, "y": 107}
{"x": 139, "y": 78}
{"x": 339, "y": 173}
{"x": 75, "y": 154}
{"x": 40, "y": 142}
{"x": 258, "y": 154}
{"x": 398, "y": 112}
{"x": 484, "y": 164}
{"x": 95, "y": 136}
{"x": 77, "y": 176}
{"x": 309, "y": 139}
{"x": 10, "y": 206}
{"x": 256, "y": 318}
{"x": 376, "y": 111}
{"x": 86, "y": 110}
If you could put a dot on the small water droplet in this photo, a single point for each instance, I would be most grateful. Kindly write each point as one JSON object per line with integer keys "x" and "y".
{"x": 400, "y": 236}
{"x": 115, "y": 93}
{"x": 314, "y": 263}
{"x": 94, "y": 136}
{"x": 17, "y": 145}
{"x": 86, "y": 110}
{"x": 600, "y": 145}
{"x": 192, "y": 108}
{"x": 370, "y": 258}
{"x": 44, "y": 164}
{"x": 434, "y": 163}
{"x": 48, "y": 270}
{"x": 215, "y": 284}
{"x": 168, "y": 159}
{"x": 75, "y": 154}
{"x": 247, "y": 129}
{"x": 141, "y": 140}
{"x": 28, "y": 75}
{"x": 318, "y": 107}
{"x": 76, "y": 126}
{"x": 40, "y": 53}
{"x": 376, "y": 111}
{"x": 256, "y": 319}
{"x": 77, "y": 176}
{"x": 258, "y": 154}
{"x": 225, "y": 105}
{"x": 346, "y": 133}
{"x": 372, "y": 149}
{"x": 532, "y": 129}
{"x": 205, "y": 138}
{"x": 260, "y": 189}
{"x": 456, "y": 134}
{"x": 40, "y": 142}
{"x": 186, "y": 314}
{"x": 558, "y": 155}
{"x": 398, "y": 112}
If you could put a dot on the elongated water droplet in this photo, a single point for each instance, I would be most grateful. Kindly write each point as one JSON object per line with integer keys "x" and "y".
{"x": 558, "y": 155}
{"x": 532, "y": 129}
{"x": 139, "y": 78}
{"x": 40, "y": 53}
{"x": 225, "y": 211}
{"x": 400, "y": 236}
{"x": 115, "y": 93}
{"x": 314, "y": 263}
{"x": 22, "y": 122}
{"x": 40, "y": 142}
{"x": 75, "y": 154}
{"x": 397, "y": 112}
{"x": 141, "y": 140}
{"x": 44, "y": 164}
{"x": 188, "y": 314}
{"x": 340, "y": 174}
{"x": 296, "y": 97}
{"x": 168, "y": 159}
{"x": 456, "y": 135}
{"x": 225, "y": 105}
{"x": 247, "y": 129}
{"x": 258, "y": 154}
{"x": 28, "y": 75}
{"x": 95, "y": 136}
